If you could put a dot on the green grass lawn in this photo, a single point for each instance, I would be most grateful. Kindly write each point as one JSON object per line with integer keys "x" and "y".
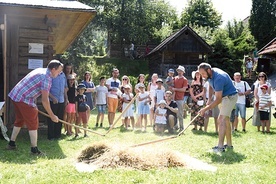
{"x": 253, "y": 159}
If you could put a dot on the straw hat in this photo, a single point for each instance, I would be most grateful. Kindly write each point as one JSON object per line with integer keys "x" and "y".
{"x": 194, "y": 73}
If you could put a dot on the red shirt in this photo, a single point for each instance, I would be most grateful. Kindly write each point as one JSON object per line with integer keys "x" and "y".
{"x": 180, "y": 82}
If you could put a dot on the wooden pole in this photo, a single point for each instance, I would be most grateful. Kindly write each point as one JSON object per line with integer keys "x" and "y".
{"x": 127, "y": 107}
{"x": 76, "y": 126}
{"x": 167, "y": 138}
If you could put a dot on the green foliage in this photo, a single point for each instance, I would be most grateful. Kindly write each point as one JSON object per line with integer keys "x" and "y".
{"x": 262, "y": 22}
{"x": 200, "y": 13}
{"x": 133, "y": 20}
{"x": 101, "y": 66}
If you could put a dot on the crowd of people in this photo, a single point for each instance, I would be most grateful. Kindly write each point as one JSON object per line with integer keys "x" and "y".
{"x": 212, "y": 93}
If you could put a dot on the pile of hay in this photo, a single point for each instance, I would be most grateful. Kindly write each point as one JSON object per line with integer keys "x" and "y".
{"x": 102, "y": 155}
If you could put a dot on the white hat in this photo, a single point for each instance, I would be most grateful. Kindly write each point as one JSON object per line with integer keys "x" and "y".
{"x": 237, "y": 73}
{"x": 181, "y": 68}
{"x": 159, "y": 80}
{"x": 141, "y": 85}
{"x": 194, "y": 73}
{"x": 162, "y": 102}
{"x": 127, "y": 86}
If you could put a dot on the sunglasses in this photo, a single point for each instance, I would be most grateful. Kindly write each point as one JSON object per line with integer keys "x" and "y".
{"x": 261, "y": 76}
{"x": 124, "y": 79}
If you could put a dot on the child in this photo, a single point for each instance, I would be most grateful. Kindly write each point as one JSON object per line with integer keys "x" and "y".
{"x": 264, "y": 108}
{"x": 70, "y": 108}
{"x": 81, "y": 109}
{"x": 143, "y": 106}
{"x": 159, "y": 95}
{"x": 160, "y": 117}
{"x": 169, "y": 80}
{"x": 127, "y": 97}
{"x": 101, "y": 99}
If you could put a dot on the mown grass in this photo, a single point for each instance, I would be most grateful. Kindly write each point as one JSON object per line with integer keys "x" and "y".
{"x": 253, "y": 159}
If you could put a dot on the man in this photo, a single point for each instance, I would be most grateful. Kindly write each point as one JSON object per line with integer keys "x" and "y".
{"x": 180, "y": 85}
{"x": 58, "y": 100}
{"x": 243, "y": 89}
{"x": 24, "y": 94}
{"x": 226, "y": 96}
{"x": 112, "y": 85}
{"x": 171, "y": 111}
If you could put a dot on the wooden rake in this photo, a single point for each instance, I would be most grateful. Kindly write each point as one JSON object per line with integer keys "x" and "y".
{"x": 127, "y": 107}
{"x": 167, "y": 138}
{"x": 76, "y": 126}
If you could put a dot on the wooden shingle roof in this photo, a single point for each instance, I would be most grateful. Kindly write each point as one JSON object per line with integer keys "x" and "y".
{"x": 269, "y": 48}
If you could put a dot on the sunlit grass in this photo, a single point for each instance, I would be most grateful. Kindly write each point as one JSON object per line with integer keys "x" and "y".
{"x": 252, "y": 160}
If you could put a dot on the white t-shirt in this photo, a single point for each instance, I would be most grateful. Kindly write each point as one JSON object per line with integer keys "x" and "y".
{"x": 143, "y": 95}
{"x": 159, "y": 94}
{"x": 113, "y": 82}
{"x": 242, "y": 87}
{"x": 101, "y": 92}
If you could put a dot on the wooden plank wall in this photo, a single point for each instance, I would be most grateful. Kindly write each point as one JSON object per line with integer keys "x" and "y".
{"x": 23, "y": 32}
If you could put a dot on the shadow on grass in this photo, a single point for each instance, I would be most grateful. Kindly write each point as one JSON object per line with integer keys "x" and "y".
{"x": 23, "y": 153}
{"x": 228, "y": 157}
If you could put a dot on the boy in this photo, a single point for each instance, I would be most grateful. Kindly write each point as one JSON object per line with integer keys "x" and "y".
{"x": 264, "y": 108}
{"x": 81, "y": 109}
{"x": 101, "y": 98}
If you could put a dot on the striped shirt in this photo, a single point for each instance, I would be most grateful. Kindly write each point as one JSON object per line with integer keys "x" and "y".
{"x": 264, "y": 99}
{"x": 29, "y": 88}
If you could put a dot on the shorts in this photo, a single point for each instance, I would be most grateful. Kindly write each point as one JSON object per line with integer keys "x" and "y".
{"x": 82, "y": 118}
{"x": 227, "y": 105}
{"x": 159, "y": 126}
{"x": 71, "y": 108}
{"x": 242, "y": 109}
{"x": 112, "y": 104}
{"x": 215, "y": 112}
{"x": 25, "y": 114}
{"x": 264, "y": 115}
{"x": 101, "y": 108}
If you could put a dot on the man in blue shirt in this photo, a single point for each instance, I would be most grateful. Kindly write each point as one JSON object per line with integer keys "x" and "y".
{"x": 58, "y": 101}
{"x": 226, "y": 95}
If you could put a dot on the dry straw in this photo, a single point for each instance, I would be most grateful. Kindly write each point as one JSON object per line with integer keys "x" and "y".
{"x": 102, "y": 155}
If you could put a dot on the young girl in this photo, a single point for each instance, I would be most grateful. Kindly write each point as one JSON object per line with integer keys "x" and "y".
{"x": 169, "y": 80}
{"x": 160, "y": 117}
{"x": 143, "y": 107}
{"x": 127, "y": 97}
{"x": 81, "y": 109}
{"x": 264, "y": 108}
{"x": 70, "y": 108}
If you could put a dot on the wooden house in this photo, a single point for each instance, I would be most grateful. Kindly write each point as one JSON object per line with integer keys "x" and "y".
{"x": 185, "y": 47}
{"x": 33, "y": 32}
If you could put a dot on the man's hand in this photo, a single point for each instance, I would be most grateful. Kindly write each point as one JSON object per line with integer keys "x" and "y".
{"x": 54, "y": 118}
{"x": 202, "y": 112}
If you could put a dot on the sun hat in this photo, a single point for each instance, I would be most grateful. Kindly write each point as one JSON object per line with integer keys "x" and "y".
{"x": 181, "y": 68}
{"x": 71, "y": 76}
{"x": 194, "y": 73}
{"x": 141, "y": 85}
{"x": 264, "y": 86}
{"x": 159, "y": 80}
{"x": 162, "y": 102}
{"x": 127, "y": 86}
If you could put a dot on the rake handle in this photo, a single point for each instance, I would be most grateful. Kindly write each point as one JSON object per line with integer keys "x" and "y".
{"x": 76, "y": 126}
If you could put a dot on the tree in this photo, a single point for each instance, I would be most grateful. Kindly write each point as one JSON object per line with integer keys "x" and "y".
{"x": 262, "y": 22}
{"x": 200, "y": 13}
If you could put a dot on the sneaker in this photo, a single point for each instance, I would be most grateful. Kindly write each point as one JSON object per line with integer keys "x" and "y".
{"x": 217, "y": 149}
{"x": 9, "y": 147}
{"x": 101, "y": 125}
{"x": 36, "y": 151}
{"x": 96, "y": 125}
{"x": 76, "y": 136}
{"x": 243, "y": 130}
{"x": 225, "y": 146}
{"x": 85, "y": 135}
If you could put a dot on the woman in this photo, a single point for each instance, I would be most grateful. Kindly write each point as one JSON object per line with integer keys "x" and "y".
{"x": 249, "y": 67}
{"x": 90, "y": 88}
{"x": 262, "y": 79}
{"x": 197, "y": 94}
{"x": 125, "y": 81}
{"x": 151, "y": 89}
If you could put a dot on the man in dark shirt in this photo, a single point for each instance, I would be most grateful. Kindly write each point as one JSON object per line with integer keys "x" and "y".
{"x": 172, "y": 110}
